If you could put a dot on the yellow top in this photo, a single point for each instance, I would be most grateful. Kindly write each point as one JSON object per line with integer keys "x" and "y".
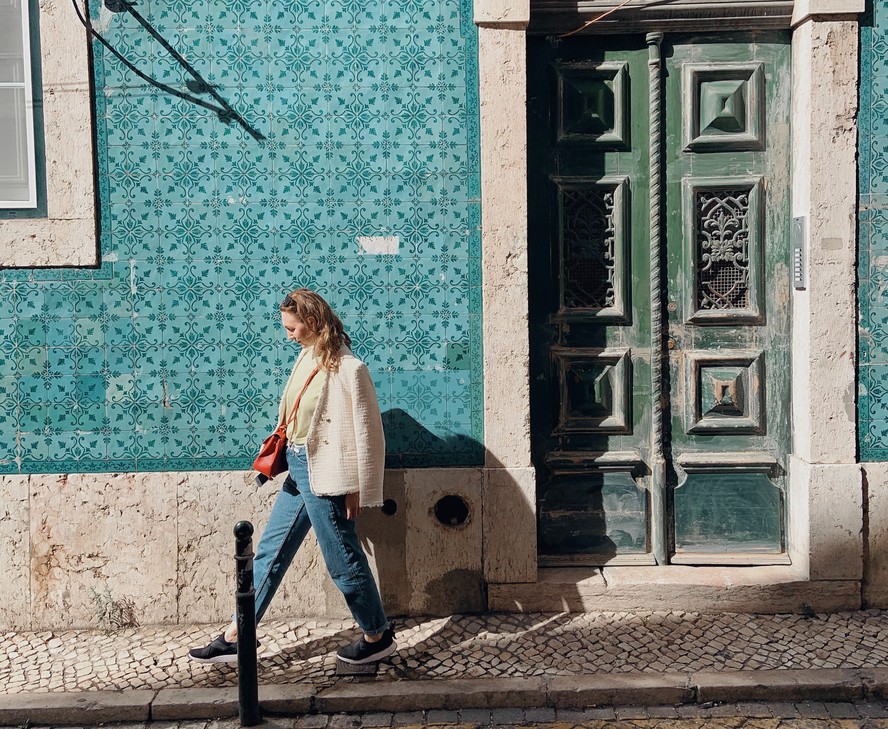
{"x": 297, "y": 429}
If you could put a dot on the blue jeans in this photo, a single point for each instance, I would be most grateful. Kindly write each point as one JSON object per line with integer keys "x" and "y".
{"x": 295, "y": 511}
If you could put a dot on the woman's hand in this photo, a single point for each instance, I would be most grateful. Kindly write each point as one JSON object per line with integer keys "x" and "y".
{"x": 352, "y": 505}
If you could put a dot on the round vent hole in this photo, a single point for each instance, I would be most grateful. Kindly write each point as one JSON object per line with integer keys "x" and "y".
{"x": 452, "y": 510}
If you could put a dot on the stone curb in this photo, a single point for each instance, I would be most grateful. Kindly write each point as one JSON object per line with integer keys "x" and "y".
{"x": 563, "y": 692}
{"x": 194, "y": 703}
{"x": 454, "y": 693}
{"x": 83, "y": 708}
{"x": 607, "y": 689}
{"x": 777, "y": 685}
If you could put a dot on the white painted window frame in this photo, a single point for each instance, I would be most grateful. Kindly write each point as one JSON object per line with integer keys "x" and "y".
{"x": 27, "y": 84}
{"x": 64, "y": 234}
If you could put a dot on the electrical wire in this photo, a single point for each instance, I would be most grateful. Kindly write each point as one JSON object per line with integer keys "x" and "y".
{"x": 225, "y": 112}
{"x": 595, "y": 20}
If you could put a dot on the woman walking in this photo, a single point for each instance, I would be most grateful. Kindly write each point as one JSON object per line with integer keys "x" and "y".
{"x": 336, "y": 459}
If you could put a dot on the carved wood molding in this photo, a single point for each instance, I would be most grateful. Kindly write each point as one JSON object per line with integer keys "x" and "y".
{"x": 563, "y": 16}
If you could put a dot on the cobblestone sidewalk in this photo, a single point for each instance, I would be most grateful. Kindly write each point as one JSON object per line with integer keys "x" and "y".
{"x": 459, "y": 646}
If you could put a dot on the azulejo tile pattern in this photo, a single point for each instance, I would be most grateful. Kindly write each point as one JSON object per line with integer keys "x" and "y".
{"x": 361, "y": 179}
{"x": 873, "y": 235}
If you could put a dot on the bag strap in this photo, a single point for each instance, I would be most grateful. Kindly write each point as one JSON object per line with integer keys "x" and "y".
{"x": 292, "y": 415}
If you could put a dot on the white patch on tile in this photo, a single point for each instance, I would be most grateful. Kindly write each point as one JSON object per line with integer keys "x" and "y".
{"x": 103, "y": 22}
{"x": 379, "y": 245}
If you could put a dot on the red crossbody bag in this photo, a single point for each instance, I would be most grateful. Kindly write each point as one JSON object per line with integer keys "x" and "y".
{"x": 272, "y": 458}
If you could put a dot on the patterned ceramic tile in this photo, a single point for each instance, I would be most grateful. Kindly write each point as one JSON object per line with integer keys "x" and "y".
{"x": 873, "y": 235}
{"x": 335, "y": 145}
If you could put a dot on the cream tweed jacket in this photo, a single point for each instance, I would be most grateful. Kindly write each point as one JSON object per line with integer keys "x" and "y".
{"x": 345, "y": 441}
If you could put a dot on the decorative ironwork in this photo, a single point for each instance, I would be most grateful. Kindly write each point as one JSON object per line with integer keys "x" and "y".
{"x": 722, "y": 249}
{"x": 589, "y": 242}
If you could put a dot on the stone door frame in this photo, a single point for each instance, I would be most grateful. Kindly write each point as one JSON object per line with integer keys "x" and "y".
{"x": 824, "y": 502}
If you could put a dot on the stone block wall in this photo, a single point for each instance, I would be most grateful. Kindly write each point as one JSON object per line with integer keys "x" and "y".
{"x": 101, "y": 550}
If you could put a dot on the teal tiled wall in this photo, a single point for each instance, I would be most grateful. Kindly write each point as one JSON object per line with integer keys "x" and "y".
{"x": 170, "y": 355}
{"x": 873, "y": 233}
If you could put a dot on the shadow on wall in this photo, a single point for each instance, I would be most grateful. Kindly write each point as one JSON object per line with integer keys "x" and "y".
{"x": 197, "y": 85}
{"x": 449, "y": 529}
{"x": 446, "y": 534}
{"x": 409, "y": 444}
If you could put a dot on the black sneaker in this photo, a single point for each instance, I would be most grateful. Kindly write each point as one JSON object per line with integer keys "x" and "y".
{"x": 218, "y": 651}
{"x": 363, "y": 652}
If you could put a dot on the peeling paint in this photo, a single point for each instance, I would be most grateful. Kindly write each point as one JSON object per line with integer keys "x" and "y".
{"x": 378, "y": 245}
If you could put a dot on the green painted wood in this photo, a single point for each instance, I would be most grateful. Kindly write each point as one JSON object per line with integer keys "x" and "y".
{"x": 726, "y": 123}
{"x": 728, "y": 169}
{"x": 590, "y": 394}
{"x": 727, "y": 512}
{"x": 601, "y": 513}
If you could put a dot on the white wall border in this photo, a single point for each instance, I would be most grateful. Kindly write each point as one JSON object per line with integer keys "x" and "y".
{"x": 825, "y": 480}
{"x": 67, "y": 235}
{"x": 509, "y": 538}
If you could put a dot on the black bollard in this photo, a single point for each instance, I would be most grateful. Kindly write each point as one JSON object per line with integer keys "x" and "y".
{"x": 247, "y": 671}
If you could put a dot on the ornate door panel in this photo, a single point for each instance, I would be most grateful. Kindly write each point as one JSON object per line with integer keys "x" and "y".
{"x": 659, "y": 297}
{"x": 589, "y": 299}
{"x": 727, "y": 232}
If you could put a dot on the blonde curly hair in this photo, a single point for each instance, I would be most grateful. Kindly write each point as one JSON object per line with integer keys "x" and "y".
{"x": 311, "y": 308}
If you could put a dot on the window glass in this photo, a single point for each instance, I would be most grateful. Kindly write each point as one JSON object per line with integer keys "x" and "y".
{"x": 18, "y": 187}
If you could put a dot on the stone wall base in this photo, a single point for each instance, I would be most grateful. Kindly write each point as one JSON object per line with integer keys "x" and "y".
{"x": 875, "y": 527}
{"x": 700, "y": 589}
{"x": 102, "y": 550}
{"x": 107, "y": 550}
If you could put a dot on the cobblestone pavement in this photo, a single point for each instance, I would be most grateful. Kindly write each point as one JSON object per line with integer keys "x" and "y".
{"x": 809, "y": 715}
{"x": 459, "y": 646}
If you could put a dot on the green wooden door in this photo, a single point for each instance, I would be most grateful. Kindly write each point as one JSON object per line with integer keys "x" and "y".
{"x": 659, "y": 203}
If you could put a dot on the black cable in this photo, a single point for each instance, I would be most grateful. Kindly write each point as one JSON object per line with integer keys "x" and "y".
{"x": 154, "y": 82}
{"x": 224, "y": 112}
